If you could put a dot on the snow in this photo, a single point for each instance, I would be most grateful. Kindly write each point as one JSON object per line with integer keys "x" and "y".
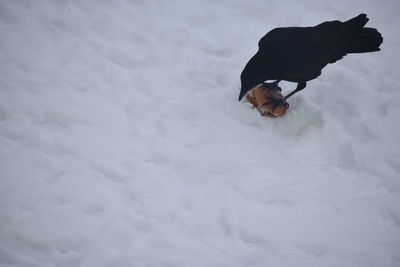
{"x": 122, "y": 142}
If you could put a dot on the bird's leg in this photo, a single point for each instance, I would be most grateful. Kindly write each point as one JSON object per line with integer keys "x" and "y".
{"x": 273, "y": 85}
{"x": 300, "y": 86}
{"x": 276, "y": 82}
{"x": 277, "y": 102}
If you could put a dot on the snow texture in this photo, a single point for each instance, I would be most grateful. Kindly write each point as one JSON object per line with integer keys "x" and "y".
{"x": 122, "y": 142}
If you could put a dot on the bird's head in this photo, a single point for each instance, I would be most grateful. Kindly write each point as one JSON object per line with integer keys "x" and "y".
{"x": 246, "y": 86}
{"x": 252, "y": 75}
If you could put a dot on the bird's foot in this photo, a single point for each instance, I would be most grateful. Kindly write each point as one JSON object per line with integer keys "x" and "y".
{"x": 272, "y": 86}
{"x": 276, "y": 103}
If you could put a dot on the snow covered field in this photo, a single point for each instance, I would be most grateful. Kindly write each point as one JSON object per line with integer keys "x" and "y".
{"x": 122, "y": 142}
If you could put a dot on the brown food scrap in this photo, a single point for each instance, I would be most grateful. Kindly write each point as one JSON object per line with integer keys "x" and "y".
{"x": 260, "y": 96}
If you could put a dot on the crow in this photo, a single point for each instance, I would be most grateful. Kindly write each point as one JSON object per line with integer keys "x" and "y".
{"x": 298, "y": 54}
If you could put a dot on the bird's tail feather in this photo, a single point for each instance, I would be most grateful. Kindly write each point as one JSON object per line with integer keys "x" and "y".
{"x": 348, "y": 30}
{"x": 368, "y": 40}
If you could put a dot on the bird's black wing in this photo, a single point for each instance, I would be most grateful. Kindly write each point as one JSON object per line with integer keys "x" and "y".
{"x": 296, "y": 52}
{"x": 300, "y": 53}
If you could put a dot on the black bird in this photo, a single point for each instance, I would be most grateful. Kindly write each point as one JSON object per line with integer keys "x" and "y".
{"x": 298, "y": 54}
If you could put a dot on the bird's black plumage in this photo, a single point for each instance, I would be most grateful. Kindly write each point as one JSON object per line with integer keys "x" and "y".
{"x": 298, "y": 54}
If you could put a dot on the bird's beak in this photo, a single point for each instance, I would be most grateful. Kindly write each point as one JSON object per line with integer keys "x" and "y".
{"x": 243, "y": 92}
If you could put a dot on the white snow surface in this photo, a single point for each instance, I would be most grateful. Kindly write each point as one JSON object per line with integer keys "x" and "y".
{"x": 122, "y": 142}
